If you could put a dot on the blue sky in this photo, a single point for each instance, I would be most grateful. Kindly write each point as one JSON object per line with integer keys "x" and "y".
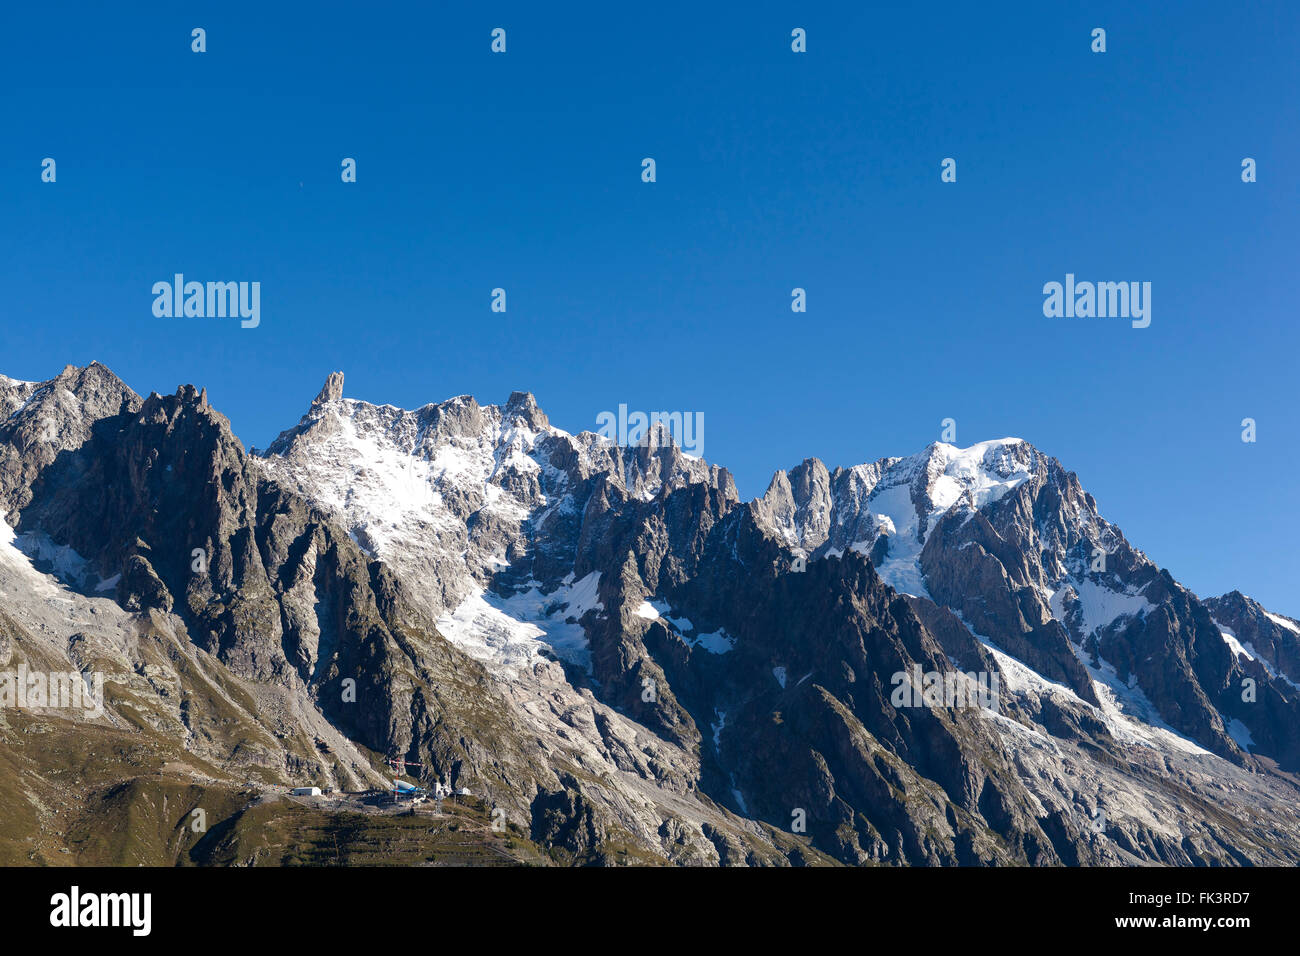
{"x": 775, "y": 170}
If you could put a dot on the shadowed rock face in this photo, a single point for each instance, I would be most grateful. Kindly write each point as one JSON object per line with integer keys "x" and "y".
{"x": 607, "y": 644}
{"x": 1267, "y": 671}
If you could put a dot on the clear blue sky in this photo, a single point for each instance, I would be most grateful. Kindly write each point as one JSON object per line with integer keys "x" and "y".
{"x": 775, "y": 170}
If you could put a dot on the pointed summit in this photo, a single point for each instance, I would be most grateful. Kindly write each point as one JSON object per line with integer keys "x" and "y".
{"x": 331, "y": 391}
{"x": 524, "y": 405}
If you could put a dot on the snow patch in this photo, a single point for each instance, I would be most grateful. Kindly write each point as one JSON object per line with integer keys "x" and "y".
{"x": 512, "y": 632}
{"x": 1283, "y": 622}
{"x": 718, "y": 642}
{"x": 1234, "y": 645}
{"x": 647, "y": 610}
{"x": 718, "y": 727}
{"x": 1240, "y": 734}
{"x": 1099, "y": 605}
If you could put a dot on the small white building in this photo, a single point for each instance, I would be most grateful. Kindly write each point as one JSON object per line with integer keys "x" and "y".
{"x": 305, "y": 791}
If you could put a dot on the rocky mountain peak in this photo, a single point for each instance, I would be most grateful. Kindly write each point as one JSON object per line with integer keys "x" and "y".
{"x": 331, "y": 391}
{"x": 523, "y": 406}
{"x": 799, "y": 504}
{"x": 46, "y": 418}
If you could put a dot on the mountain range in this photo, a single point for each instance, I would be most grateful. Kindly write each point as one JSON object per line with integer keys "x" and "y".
{"x": 619, "y": 659}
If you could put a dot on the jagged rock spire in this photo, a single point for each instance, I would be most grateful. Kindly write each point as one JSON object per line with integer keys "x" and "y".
{"x": 332, "y": 391}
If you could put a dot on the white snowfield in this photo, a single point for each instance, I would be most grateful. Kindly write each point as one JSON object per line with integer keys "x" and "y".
{"x": 511, "y": 634}
{"x": 1103, "y": 605}
{"x": 1283, "y": 622}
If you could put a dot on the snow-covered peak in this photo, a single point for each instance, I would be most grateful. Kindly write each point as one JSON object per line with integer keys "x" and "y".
{"x": 900, "y": 498}
{"x": 944, "y": 474}
{"x": 453, "y": 495}
{"x": 913, "y": 493}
